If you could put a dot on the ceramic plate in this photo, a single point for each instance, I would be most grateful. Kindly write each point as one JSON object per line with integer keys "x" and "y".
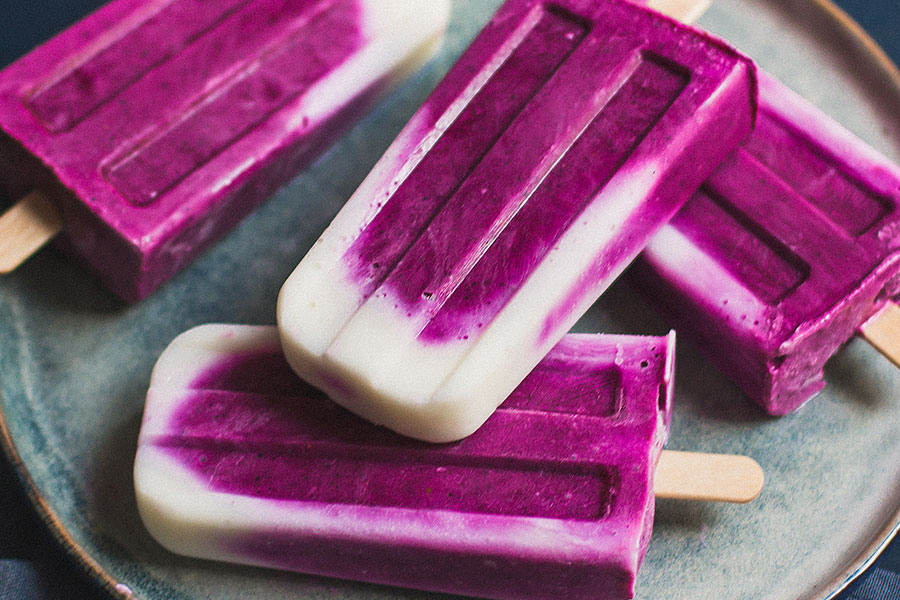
{"x": 75, "y": 365}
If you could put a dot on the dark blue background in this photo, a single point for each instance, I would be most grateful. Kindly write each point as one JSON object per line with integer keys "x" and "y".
{"x": 32, "y": 566}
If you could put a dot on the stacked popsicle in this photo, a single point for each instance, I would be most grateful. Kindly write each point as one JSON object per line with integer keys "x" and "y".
{"x": 784, "y": 253}
{"x": 149, "y": 129}
{"x": 457, "y": 267}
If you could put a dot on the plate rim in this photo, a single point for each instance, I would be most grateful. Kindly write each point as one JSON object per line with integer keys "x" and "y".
{"x": 855, "y": 567}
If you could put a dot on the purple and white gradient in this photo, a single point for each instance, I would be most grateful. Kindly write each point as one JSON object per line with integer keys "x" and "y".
{"x": 546, "y": 159}
{"x": 240, "y": 460}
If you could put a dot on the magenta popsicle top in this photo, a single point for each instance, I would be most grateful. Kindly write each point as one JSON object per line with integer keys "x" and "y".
{"x": 572, "y": 453}
{"x": 146, "y": 85}
{"x": 156, "y": 126}
{"x": 784, "y": 252}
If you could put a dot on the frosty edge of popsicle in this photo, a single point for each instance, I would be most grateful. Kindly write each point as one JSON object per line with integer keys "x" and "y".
{"x": 482, "y": 235}
{"x": 789, "y": 247}
{"x": 152, "y": 128}
{"x": 239, "y": 460}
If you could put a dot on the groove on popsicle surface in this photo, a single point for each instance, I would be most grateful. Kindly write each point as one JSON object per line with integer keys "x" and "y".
{"x": 802, "y": 237}
{"x": 477, "y": 245}
{"x": 163, "y": 157}
{"x": 822, "y": 181}
{"x": 99, "y": 77}
{"x": 588, "y": 390}
{"x": 247, "y": 425}
{"x": 550, "y": 39}
{"x": 769, "y": 268}
{"x": 645, "y": 94}
{"x": 310, "y": 470}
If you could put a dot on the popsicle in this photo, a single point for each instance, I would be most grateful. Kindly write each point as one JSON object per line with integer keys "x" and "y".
{"x": 239, "y": 460}
{"x": 786, "y": 251}
{"x": 149, "y": 129}
{"x": 480, "y": 237}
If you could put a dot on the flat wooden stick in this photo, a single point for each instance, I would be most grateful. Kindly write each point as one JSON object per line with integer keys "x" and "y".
{"x": 24, "y": 228}
{"x": 707, "y": 477}
{"x": 883, "y": 332}
{"x": 686, "y": 11}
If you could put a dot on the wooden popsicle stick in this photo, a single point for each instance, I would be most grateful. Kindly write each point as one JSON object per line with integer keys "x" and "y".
{"x": 707, "y": 477}
{"x": 24, "y": 228}
{"x": 686, "y": 11}
{"x": 883, "y": 331}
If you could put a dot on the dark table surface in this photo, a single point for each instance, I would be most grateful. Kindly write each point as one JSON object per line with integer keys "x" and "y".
{"x": 31, "y": 564}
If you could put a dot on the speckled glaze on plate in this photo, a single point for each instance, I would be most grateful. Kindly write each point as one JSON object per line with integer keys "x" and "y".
{"x": 74, "y": 365}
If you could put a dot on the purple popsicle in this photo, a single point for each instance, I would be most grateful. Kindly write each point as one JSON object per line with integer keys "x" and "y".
{"x": 239, "y": 460}
{"x": 786, "y": 251}
{"x": 150, "y": 129}
{"x": 564, "y": 137}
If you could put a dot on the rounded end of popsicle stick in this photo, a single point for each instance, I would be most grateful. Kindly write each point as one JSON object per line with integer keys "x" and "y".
{"x": 708, "y": 477}
{"x": 24, "y": 228}
{"x": 883, "y": 332}
{"x": 686, "y": 11}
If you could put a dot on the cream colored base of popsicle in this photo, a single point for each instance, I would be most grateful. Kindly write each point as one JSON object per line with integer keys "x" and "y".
{"x": 365, "y": 352}
{"x": 883, "y": 332}
{"x": 24, "y": 229}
